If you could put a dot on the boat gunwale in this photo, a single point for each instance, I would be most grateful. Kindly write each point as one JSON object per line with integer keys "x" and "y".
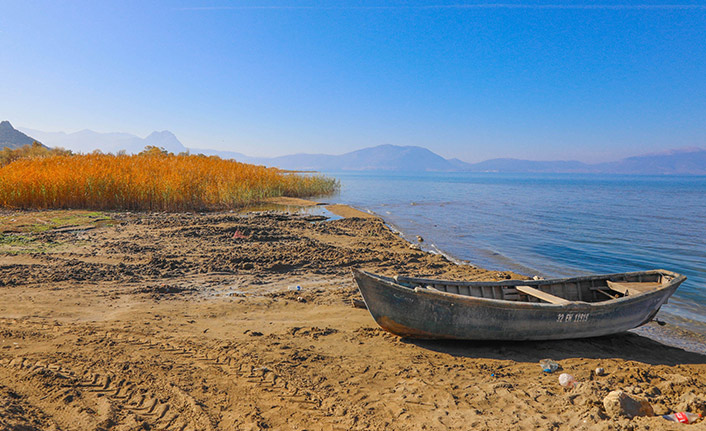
{"x": 531, "y": 282}
{"x": 504, "y": 303}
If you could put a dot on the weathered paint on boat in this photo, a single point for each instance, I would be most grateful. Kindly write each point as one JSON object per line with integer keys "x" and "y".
{"x": 417, "y": 312}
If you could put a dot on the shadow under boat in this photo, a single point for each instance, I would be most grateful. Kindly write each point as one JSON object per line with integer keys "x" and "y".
{"x": 627, "y": 346}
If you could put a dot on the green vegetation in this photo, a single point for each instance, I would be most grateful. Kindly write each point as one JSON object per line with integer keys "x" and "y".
{"x": 24, "y": 244}
{"x": 22, "y": 232}
{"x": 33, "y": 222}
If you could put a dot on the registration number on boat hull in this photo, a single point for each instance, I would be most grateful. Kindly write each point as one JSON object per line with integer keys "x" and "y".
{"x": 572, "y": 317}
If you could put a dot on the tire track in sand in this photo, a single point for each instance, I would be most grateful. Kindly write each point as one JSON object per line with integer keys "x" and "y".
{"x": 250, "y": 379}
{"x": 79, "y": 395}
{"x": 89, "y": 387}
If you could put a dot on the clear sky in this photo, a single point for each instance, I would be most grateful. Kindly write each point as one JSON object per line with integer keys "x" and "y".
{"x": 535, "y": 80}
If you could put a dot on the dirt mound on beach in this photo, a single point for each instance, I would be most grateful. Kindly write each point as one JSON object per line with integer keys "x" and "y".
{"x": 141, "y": 247}
{"x": 188, "y": 322}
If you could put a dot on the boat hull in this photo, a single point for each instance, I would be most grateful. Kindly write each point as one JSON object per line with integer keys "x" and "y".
{"x": 426, "y": 314}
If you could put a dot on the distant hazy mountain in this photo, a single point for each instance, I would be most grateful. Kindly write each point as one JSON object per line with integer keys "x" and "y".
{"x": 87, "y": 141}
{"x": 688, "y": 161}
{"x": 684, "y": 161}
{"x": 380, "y": 158}
{"x": 13, "y": 138}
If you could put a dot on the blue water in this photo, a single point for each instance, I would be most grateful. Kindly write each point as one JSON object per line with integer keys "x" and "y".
{"x": 553, "y": 225}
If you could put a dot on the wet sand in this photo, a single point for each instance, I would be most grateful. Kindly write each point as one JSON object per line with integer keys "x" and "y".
{"x": 187, "y": 321}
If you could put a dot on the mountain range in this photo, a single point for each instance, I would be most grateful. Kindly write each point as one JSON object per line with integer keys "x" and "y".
{"x": 683, "y": 161}
{"x": 686, "y": 161}
{"x": 87, "y": 141}
{"x": 379, "y": 158}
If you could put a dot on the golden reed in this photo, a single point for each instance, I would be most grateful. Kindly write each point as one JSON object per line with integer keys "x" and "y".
{"x": 152, "y": 180}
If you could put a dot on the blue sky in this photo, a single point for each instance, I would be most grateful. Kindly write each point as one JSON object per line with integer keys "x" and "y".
{"x": 472, "y": 80}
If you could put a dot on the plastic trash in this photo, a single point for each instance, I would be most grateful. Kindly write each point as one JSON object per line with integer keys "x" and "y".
{"x": 294, "y": 288}
{"x": 239, "y": 235}
{"x": 567, "y": 380}
{"x": 683, "y": 417}
{"x": 600, "y": 371}
{"x": 549, "y": 366}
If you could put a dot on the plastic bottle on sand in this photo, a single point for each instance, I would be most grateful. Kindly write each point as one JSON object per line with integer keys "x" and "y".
{"x": 683, "y": 417}
{"x": 548, "y": 366}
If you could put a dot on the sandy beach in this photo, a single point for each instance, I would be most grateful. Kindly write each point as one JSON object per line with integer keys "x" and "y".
{"x": 229, "y": 321}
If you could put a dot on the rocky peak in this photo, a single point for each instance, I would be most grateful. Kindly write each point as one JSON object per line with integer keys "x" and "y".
{"x": 13, "y": 138}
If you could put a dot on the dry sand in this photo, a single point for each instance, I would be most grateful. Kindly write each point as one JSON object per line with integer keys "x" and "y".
{"x": 185, "y": 321}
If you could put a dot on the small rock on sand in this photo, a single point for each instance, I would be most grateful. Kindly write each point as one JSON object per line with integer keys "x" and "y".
{"x": 619, "y": 403}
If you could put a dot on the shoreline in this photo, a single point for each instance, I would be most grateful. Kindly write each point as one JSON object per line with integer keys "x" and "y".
{"x": 674, "y": 334}
{"x": 121, "y": 320}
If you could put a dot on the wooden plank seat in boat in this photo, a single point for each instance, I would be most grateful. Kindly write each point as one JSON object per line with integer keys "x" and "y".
{"x": 632, "y": 288}
{"x": 544, "y": 296}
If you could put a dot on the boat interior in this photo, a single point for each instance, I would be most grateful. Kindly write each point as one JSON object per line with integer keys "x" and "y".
{"x": 561, "y": 292}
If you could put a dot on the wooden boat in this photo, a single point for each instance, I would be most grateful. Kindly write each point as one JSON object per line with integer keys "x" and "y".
{"x": 516, "y": 309}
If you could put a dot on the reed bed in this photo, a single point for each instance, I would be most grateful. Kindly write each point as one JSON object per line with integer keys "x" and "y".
{"x": 9, "y": 155}
{"x": 152, "y": 180}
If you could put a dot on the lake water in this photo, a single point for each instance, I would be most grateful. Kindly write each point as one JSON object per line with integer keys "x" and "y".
{"x": 552, "y": 225}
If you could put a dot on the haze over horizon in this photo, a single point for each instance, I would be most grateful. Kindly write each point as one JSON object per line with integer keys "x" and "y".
{"x": 475, "y": 81}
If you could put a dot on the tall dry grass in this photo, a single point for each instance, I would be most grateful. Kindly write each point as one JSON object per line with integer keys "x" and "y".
{"x": 153, "y": 180}
{"x": 8, "y": 155}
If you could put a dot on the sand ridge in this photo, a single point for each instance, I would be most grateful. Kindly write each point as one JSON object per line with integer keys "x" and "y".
{"x": 187, "y": 321}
